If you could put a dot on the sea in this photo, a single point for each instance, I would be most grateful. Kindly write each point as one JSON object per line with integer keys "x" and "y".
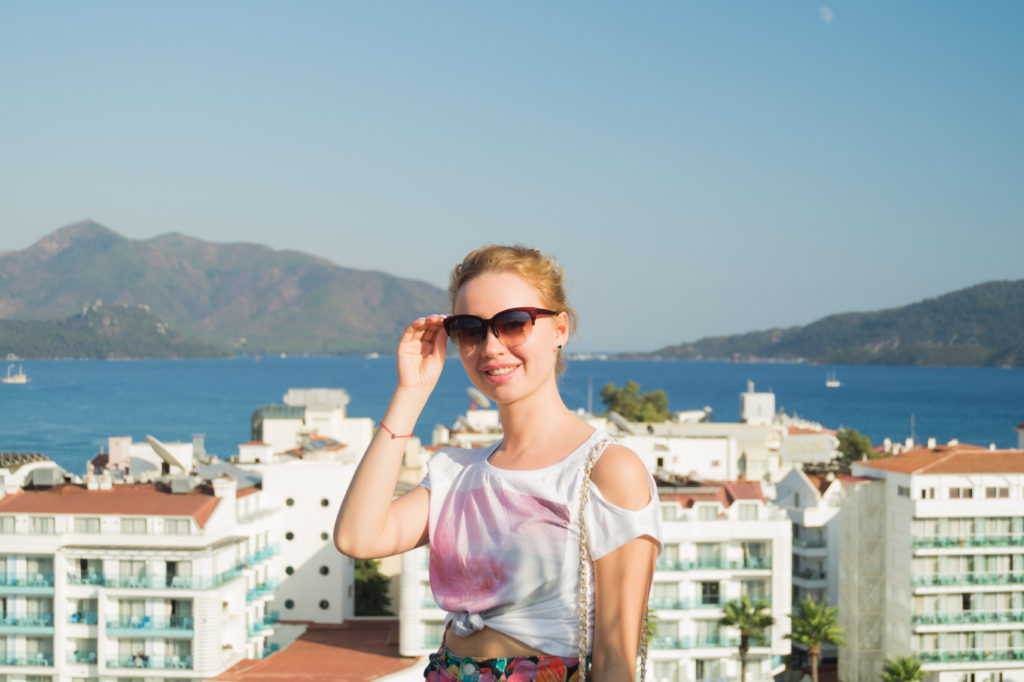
{"x": 70, "y": 407}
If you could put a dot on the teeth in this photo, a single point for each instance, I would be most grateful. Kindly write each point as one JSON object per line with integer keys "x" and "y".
{"x": 499, "y": 371}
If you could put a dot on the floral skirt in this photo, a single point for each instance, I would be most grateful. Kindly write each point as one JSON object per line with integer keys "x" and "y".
{"x": 445, "y": 666}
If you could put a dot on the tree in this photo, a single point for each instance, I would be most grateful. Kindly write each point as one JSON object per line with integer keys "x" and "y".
{"x": 633, "y": 405}
{"x": 902, "y": 669}
{"x": 371, "y": 587}
{"x": 751, "y": 619}
{"x": 814, "y": 624}
{"x": 854, "y": 446}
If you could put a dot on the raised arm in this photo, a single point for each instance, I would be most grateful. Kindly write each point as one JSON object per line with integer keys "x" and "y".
{"x": 371, "y": 524}
{"x": 622, "y": 578}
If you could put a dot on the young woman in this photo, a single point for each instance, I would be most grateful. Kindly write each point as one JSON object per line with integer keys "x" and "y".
{"x": 502, "y": 521}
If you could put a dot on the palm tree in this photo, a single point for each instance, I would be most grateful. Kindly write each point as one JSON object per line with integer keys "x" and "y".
{"x": 814, "y": 624}
{"x": 902, "y": 669}
{"x": 751, "y": 619}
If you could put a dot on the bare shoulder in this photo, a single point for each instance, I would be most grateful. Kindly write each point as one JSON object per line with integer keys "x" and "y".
{"x": 622, "y": 478}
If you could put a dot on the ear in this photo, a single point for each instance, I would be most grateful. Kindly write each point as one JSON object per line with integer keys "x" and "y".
{"x": 562, "y": 328}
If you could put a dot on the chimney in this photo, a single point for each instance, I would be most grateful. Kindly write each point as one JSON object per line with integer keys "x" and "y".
{"x": 225, "y": 487}
{"x": 119, "y": 449}
{"x": 908, "y": 444}
{"x": 932, "y": 443}
{"x": 887, "y": 445}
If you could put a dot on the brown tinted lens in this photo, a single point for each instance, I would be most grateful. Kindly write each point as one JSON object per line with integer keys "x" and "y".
{"x": 513, "y": 326}
{"x": 465, "y": 330}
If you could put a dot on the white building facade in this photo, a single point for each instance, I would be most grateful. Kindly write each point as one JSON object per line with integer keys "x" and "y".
{"x": 933, "y": 564}
{"x": 108, "y": 581}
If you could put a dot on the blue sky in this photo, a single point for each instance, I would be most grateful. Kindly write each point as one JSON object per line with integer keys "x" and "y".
{"x": 698, "y": 168}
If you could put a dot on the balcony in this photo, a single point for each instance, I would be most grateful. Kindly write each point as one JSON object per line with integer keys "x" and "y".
{"x": 154, "y": 662}
{"x": 262, "y": 590}
{"x": 36, "y": 624}
{"x": 177, "y": 582}
{"x": 147, "y": 626}
{"x": 89, "y": 579}
{"x": 748, "y": 564}
{"x": 39, "y": 660}
{"x": 83, "y": 618}
{"x": 810, "y": 579}
{"x": 82, "y": 657}
{"x": 35, "y": 583}
{"x": 682, "y": 604}
{"x": 971, "y": 655}
{"x": 264, "y": 627}
{"x": 949, "y": 541}
{"x": 810, "y": 547}
{"x": 972, "y": 617}
{"x": 699, "y": 642}
{"x": 976, "y": 578}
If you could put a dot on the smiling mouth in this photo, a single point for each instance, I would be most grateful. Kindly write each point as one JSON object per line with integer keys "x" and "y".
{"x": 499, "y": 371}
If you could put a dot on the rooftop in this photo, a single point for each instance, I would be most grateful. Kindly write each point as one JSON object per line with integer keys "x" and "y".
{"x": 12, "y": 461}
{"x": 952, "y": 459}
{"x": 688, "y": 491}
{"x": 122, "y": 499}
{"x": 354, "y": 651}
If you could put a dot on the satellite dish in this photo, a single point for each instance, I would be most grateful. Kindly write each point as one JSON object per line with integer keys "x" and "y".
{"x": 164, "y": 453}
{"x": 620, "y": 421}
{"x": 478, "y": 398}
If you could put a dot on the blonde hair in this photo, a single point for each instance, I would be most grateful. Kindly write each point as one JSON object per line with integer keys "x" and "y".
{"x": 537, "y": 269}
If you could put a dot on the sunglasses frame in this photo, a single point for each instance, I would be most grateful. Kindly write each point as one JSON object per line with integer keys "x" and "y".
{"x": 490, "y": 323}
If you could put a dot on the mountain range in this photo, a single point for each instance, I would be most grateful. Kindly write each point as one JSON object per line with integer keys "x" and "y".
{"x": 241, "y": 297}
{"x": 982, "y": 325}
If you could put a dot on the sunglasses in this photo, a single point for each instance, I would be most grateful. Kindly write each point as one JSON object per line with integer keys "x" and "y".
{"x": 512, "y": 327}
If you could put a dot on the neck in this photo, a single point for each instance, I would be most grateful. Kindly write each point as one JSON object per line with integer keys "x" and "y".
{"x": 535, "y": 424}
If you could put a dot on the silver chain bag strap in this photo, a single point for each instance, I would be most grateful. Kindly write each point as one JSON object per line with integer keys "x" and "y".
{"x": 584, "y": 613}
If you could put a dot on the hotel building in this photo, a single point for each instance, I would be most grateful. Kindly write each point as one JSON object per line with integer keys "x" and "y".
{"x": 932, "y": 564}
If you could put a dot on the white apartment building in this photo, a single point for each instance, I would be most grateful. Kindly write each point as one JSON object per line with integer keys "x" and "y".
{"x": 108, "y": 581}
{"x": 932, "y": 563}
{"x": 721, "y": 540}
{"x": 812, "y": 499}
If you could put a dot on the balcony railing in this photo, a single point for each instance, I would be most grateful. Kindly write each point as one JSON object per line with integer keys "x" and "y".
{"x": 87, "y": 579}
{"x": 750, "y": 563}
{"x": 263, "y": 589}
{"x": 679, "y": 604}
{"x": 83, "y": 618}
{"x": 82, "y": 657}
{"x": 26, "y": 580}
{"x": 976, "y": 578}
{"x": 962, "y": 617}
{"x": 270, "y": 649}
{"x": 151, "y": 623}
{"x": 153, "y": 582}
{"x": 262, "y": 626}
{"x": 702, "y": 641}
{"x": 971, "y": 655}
{"x": 943, "y": 541}
{"x": 809, "y": 543}
{"x": 37, "y": 620}
{"x": 156, "y": 662}
{"x": 32, "y": 661}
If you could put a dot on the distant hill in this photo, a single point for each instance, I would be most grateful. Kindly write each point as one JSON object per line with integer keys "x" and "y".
{"x": 101, "y": 332}
{"x": 979, "y": 326}
{"x": 244, "y": 296}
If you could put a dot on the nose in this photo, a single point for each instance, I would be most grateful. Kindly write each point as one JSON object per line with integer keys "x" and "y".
{"x": 491, "y": 340}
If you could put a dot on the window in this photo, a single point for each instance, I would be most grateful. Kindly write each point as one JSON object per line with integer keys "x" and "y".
{"x": 177, "y": 527}
{"x": 289, "y": 535}
{"x": 324, "y": 604}
{"x": 670, "y": 512}
{"x": 290, "y": 502}
{"x": 709, "y": 555}
{"x": 7, "y": 525}
{"x": 709, "y": 593}
{"x": 43, "y": 525}
{"x": 130, "y": 526}
{"x": 289, "y": 570}
{"x": 708, "y": 669}
{"x": 324, "y": 570}
{"x": 927, "y": 493}
{"x": 748, "y": 511}
{"x": 289, "y": 604}
{"x": 666, "y": 671}
{"x": 87, "y": 524}
{"x": 997, "y": 492}
{"x": 903, "y": 491}
{"x": 323, "y": 536}
{"x": 707, "y": 512}
{"x": 325, "y": 502}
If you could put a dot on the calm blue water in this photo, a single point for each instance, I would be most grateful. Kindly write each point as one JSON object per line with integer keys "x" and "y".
{"x": 71, "y": 407}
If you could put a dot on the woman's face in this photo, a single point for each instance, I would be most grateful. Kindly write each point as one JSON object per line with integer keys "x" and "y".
{"x": 508, "y": 374}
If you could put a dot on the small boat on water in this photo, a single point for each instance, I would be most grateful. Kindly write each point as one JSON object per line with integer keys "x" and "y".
{"x": 831, "y": 381}
{"x": 19, "y": 378}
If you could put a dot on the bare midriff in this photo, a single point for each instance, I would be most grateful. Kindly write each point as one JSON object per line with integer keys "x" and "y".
{"x": 488, "y": 643}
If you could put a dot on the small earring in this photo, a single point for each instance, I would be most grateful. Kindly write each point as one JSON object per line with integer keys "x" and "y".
{"x": 559, "y": 346}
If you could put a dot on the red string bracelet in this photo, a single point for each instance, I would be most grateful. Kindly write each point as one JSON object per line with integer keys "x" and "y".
{"x": 393, "y": 435}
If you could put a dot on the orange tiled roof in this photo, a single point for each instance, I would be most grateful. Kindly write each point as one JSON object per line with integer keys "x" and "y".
{"x": 351, "y": 652}
{"x": 724, "y": 492}
{"x": 123, "y": 499}
{"x": 820, "y": 481}
{"x": 952, "y": 459}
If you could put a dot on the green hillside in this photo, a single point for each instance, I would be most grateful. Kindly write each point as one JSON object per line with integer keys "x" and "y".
{"x": 982, "y": 325}
{"x": 245, "y": 296}
{"x": 101, "y": 332}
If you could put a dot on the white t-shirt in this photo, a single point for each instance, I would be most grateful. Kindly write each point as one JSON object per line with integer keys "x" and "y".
{"x": 504, "y": 545}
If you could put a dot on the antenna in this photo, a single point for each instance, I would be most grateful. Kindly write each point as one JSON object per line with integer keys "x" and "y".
{"x": 913, "y": 437}
{"x": 478, "y": 398}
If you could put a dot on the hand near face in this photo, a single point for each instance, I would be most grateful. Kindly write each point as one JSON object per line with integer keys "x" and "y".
{"x": 421, "y": 353}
